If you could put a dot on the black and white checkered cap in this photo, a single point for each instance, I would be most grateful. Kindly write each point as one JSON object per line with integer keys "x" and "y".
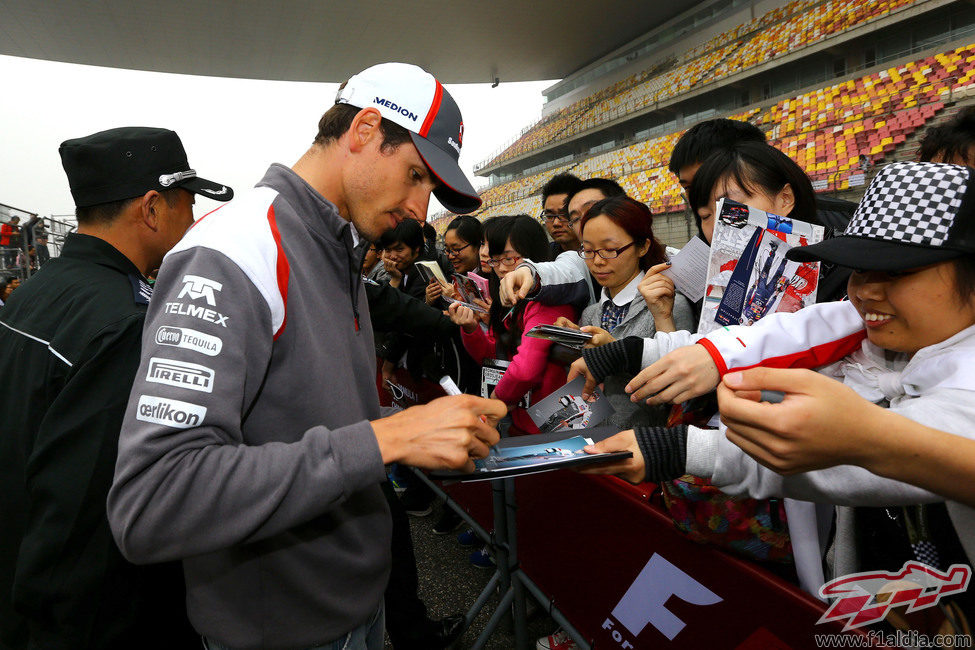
{"x": 913, "y": 214}
{"x": 910, "y": 202}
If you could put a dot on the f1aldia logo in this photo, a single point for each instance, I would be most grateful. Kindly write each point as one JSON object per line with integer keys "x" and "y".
{"x": 865, "y": 598}
{"x": 196, "y": 287}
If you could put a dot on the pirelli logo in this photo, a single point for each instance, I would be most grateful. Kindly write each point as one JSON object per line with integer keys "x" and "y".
{"x": 169, "y": 412}
{"x": 180, "y": 374}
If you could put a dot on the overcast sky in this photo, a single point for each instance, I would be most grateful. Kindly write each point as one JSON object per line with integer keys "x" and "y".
{"x": 232, "y": 129}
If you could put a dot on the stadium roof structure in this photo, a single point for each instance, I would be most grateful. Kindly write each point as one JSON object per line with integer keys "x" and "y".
{"x": 329, "y": 40}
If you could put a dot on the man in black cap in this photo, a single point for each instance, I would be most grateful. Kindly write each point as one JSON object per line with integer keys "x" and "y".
{"x": 70, "y": 339}
{"x": 255, "y": 452}
{"x": 40, "y": 246}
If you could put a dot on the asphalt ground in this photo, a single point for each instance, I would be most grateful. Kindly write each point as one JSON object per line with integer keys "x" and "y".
{"x": 450, "y": 584}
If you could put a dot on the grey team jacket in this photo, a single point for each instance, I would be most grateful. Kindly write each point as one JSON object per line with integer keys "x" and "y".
{"x": 246, "y": 449}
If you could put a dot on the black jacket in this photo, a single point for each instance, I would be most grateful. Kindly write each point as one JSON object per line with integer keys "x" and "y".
{"x": 70, "y": 340}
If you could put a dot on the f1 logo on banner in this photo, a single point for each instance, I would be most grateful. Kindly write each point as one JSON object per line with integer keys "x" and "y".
{"x": 644, "y": 602}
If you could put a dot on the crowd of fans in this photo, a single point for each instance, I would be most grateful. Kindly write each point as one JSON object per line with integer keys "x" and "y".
{"x": 23, "y": 250}
{"x": 889, "y": 337}
{"x": 602, "y": 272}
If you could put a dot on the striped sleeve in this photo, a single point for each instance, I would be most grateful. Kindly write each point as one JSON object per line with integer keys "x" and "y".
{"x": 809, "y": 338}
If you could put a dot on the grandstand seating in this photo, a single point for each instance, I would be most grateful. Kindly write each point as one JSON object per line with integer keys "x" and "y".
{"x": 784, "y": 30}
{"x": 826, "y": 131}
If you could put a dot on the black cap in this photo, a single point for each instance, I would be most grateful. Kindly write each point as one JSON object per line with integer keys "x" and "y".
{"x": 912, "y": 215}
{"x": 129, "y": 161}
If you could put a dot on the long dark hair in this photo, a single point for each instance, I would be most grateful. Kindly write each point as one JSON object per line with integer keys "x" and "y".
{"x": 636, "y": 219}
{"x": 468, "y": 229}
{"x": 755, "y": 167}
{"x": 529, "y": 240}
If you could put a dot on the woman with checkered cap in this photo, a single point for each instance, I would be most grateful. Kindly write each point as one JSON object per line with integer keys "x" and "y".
{"x": 904, "y": 340}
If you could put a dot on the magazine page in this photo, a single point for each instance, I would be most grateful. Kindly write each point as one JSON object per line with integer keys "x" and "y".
{"x": 482, "y": 285}
{"x": 517, "y": 456}
{"x": 467, "y": 289}
{"x": 689, "y": 269}
{"x": 430, "y": 270}
{"x": 469, "y": 305}
{"x": 572, "y": 338}
{"x": 748, "y": 274}
{"x": 565, "y": 410}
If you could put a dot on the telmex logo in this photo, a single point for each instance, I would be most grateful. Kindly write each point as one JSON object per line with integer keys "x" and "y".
{"x": 169, "y": 412}
{"x": 644, "y": 601}
{"x": 180, "y": 374}
{"x": 196, "y": 287}
{"x": 189, "y": 339}
{"x": 402, "y": 110}
{"x": 202, "y": 313}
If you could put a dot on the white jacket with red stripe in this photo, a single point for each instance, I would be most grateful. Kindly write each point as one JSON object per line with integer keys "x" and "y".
{"x": 936, "y": 387}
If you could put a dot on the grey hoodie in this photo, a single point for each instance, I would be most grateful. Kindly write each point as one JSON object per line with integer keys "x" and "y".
{"x": 246, "y": 449}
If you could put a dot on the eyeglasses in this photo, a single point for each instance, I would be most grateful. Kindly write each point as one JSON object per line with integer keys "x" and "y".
{"x": 605, "y": 253}
{"x": 549, "y": 215}
{"x": 508, "y": 260}
{"x": 451, "y": 252}
{"x": 580, "y": 213}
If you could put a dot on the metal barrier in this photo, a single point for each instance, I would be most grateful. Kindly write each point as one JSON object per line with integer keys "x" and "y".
{"x": 606, "y": 562}
{"x": 22, "y": 256}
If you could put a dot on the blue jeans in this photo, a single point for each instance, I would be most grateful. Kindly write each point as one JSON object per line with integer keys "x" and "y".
{"x": 368, "y": 636}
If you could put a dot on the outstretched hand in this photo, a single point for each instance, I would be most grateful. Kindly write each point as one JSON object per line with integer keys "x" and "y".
{"x": 463, "y": 316}
{"x": 685, "y": 373}
{"x": 629, "y": 469}
{"x": 579, "y": 368}
{"x": 433, "y": 291}
{"x": 516, "y": 285}
{"x": 820, "y": 423}
{"x": 658, "y": 291}
{"x": 599, "y": 336}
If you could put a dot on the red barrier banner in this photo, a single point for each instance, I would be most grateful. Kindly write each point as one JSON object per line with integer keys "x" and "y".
{"x": 615, "y": 566}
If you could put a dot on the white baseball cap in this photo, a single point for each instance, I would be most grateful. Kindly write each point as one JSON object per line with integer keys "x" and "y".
{"x": 412, "y": 98}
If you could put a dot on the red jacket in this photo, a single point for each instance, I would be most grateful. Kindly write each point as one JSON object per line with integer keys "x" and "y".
{"x": 6, "y": 232}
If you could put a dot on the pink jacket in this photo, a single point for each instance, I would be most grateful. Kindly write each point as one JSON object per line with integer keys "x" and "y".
{"x": 530, "y": 369}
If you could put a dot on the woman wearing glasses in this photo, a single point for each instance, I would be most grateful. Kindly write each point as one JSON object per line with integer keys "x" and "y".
{"x": 529, "y": 370}
{"x": 462, "y": 244}
{"x": 626, "y": 259}
{"x": 462, "y": 241}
